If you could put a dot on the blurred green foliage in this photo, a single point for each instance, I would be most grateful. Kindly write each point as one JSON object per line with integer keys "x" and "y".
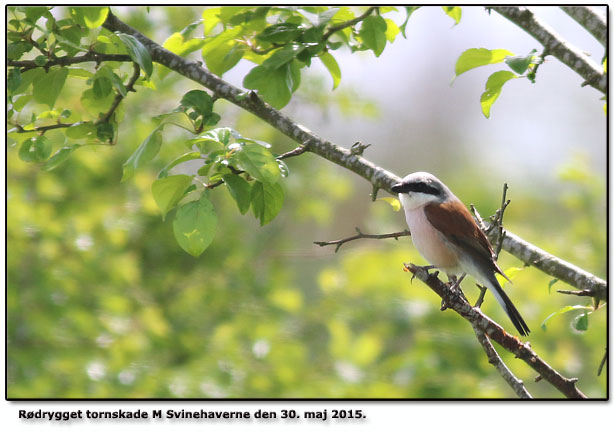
{"x": 102, "y": 302}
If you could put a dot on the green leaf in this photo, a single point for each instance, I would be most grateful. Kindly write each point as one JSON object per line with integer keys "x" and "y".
{"x": 105, "y": 132}
{"x": 258, "y": 162}
{"x": 81, "y": 130}
{"x": 47, "y": 89}
{"x": 393, "y": 202}
{"x": 283, "y": 168}
{"x": 221, "y": 135}
{"x": 333, "y": 68}
{"x": 102, "y": 87}
{"x": 144, "y": 153}
{"x": 33, "y": 13}
{"x": 21, "y": 101}
{"x": 13, "y": 80}
{"x": 27, "y": 78}
{"x": 168, "y": 191}
{"x": 493, "y": 89}
{"x": 79, "y": 73}
{"x": 510, "y": 272}
{"x": 280, "y": 33}
{"x": 224, "y": 57}
{"x": 551, "y": 283}
{"x": 453, "y": 12}
{"x": 138, "y": 53}
{"x": 211, "y": 18}
{"x": 519, "y": 63}
{"x": 176, "y": 43}
{"x": 59, "y": 157}
{"x": 92, "y": 17}
{"x": 580, "y": 323}
{"x": 392, "y": 30}
{"x": 267, "y": 200}
{"x": 240, "y": 190}
{"x": 476, "y": 57}
{"x": 194, "y": 226}
{"x": 409, "y": 10}
{"x": 15, "y": 50}
{"x": 283, "y": 56}
{"x": 193, "y": 155}
{"x": 94, "y": 105}
{"x": 373, "y": 34}
{"x": 215, "y": 42}
{"x": 34, "y": 150}
{"x": 40, "y": 60}
{"x": 199, "y": 100}
{"x": 274, "y": 86}
{"x": 564, "y": 310}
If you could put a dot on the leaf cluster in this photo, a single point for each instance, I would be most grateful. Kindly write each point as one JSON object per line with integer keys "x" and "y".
{"x": 522, "y": 66}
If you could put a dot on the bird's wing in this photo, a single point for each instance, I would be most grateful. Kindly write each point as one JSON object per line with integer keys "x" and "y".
{"x": 454, "y": 221}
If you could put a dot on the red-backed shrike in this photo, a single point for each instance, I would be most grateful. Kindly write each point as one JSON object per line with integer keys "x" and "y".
{"x": 446, "y": 235}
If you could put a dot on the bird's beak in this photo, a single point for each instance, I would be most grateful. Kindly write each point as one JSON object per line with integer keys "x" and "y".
{"x": 397, "y": 188}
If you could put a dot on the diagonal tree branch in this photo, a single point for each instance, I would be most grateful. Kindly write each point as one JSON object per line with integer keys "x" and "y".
{"x": 552, "y": 265}
{"x": 555, "y": 45}
{"x": 482, "y": 323}
{"x": 593, "y": 21}
{"x": 377, "y": 176}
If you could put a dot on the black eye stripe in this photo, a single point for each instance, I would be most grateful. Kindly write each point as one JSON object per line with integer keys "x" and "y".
{"x": 415, "y": 187}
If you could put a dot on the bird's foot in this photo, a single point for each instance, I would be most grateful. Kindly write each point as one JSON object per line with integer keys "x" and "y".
{"x": 406, "y": 267}
{"x": 455, "y": 289}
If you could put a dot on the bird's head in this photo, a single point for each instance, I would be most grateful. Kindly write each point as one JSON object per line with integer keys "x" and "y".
{"x": 419, "y": 189}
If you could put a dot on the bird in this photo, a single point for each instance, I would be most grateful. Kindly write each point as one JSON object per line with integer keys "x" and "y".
{"x": 446, "y": 235}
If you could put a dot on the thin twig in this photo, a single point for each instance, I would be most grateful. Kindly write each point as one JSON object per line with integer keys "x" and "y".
{"x": 361, "y": 235}
{"x": 118, "y": 97}
{"x": 585, "y": 292}
{"x": 67, "y": 61}
{"x": 603, "y": 361}
{"x": 480, "y": 300}
{"x": 346, "y": 24}
{"x": 499, "y": 221}
{"x": 41, "y": 129}
{"x": 292, "y": 153}
{"x": 493, "y": 358}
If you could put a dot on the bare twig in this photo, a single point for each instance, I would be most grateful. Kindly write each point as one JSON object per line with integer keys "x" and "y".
{"x": 118, "y": 97}
{"x": 556, "y": 45}
{"x": 480, "y": 300}
{"x": 292, "y": 153}
{"x": 593, "y": 21}
{"x": 67, "y": 61}
{"x": 498, "y": 221}
{"x": 493, "y": 358}
{"x": 603, "y": 361}
{"x": 41, "y": 129}
{"x": 338, "y": 243}
{"x": 496, "y": 333}
{"x": 332, "y": 30}
{"x": 585, "y": 292}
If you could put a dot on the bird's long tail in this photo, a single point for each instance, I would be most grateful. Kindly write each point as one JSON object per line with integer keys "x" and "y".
{"x": 508, "y": 306}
